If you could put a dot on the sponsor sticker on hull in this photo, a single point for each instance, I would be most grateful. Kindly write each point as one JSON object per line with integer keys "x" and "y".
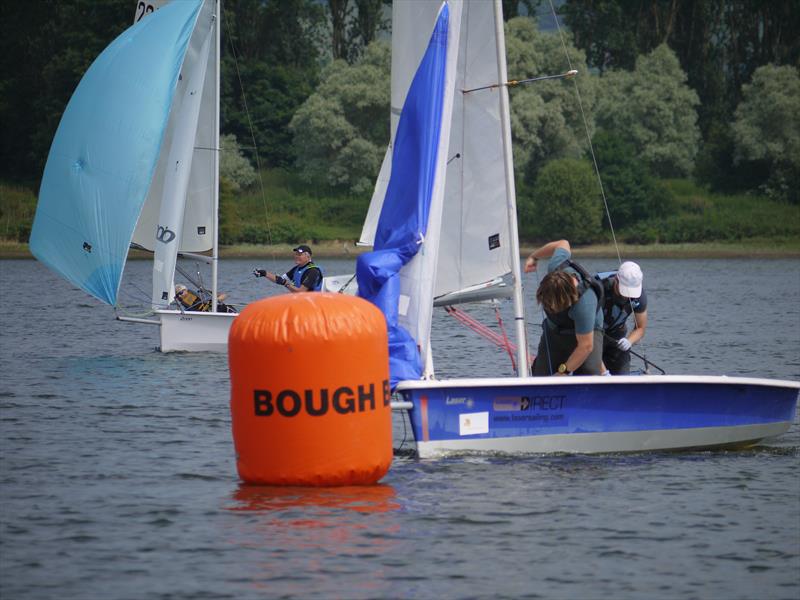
{"x": 473, "y": 423}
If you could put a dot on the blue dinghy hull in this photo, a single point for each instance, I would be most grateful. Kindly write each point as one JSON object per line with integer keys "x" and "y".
{"x": 596, "y": 414}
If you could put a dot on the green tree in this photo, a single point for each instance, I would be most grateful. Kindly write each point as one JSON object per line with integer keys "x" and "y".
{"x": 233, "y": 166}
{"x": 767, "y": 128}
{"x": 653, "y": 109}
{"x": 546, "y": 119}
{"x": 719, "y": 43}
{"x": 631, "y": 192}
{"x": 341, "y": 131}
{"x": 44, "y": 50}
{"x": 566, "y": 201}
{"x": 354, "y": 25}
{"x": 516, "y": 8}
{"x": 270, "y": 66}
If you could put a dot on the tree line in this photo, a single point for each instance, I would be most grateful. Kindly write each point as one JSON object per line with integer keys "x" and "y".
{"x": 701, "y": 89}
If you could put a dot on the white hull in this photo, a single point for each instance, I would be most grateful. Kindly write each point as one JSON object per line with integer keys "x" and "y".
{"x": 194, "y": 331}
{"x": 740, "y": 436}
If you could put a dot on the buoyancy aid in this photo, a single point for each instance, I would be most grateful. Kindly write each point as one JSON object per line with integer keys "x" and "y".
{"x": 586, "y": 282}
{"x": 616, "y": 309}
{"x": 297, "y": 279}
{"x": 188, "y": 299}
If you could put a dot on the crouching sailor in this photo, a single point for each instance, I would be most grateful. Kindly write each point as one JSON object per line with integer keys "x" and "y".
{"x": 572, "y": 332}
{"x": 199, "y": 300}
{"x": 623, "y": 295}
{"x": 304, "y": 276}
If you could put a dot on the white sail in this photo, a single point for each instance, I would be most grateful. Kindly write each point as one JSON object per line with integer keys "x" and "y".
{"x": 475, "y": 245}
{"x": 176, "y": 180}
{"x": 199, "y": 228}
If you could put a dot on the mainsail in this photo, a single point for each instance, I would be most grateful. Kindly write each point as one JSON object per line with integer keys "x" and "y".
{"x": 105, "y": 150}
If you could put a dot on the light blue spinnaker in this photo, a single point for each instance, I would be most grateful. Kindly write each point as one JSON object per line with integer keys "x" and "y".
{"x": 104, "y": 153}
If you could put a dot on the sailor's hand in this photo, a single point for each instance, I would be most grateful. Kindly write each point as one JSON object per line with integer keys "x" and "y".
{"x": 279, "y": 280}
{"x": 259, "y": 272}
{"x": 530, "y": 264}
{"x": 624, "y": 344}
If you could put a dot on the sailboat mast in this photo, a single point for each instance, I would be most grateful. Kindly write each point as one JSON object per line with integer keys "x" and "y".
{"x": 215, "y": 211}
{"x": 511, "y": 195}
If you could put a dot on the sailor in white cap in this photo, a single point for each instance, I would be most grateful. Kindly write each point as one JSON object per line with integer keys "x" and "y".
{"x": 623, "y": 296}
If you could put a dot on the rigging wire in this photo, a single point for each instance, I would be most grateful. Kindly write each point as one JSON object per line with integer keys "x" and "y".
{"x": 594, "y": 159}
{"x": 252, "y": 138}
{"x": 588, "y": 135}
{"x": 515, "y": 82}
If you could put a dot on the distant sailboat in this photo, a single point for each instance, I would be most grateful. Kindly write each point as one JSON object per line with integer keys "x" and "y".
{"x": 135, "y": 161}
{"x": 443, "y": 226}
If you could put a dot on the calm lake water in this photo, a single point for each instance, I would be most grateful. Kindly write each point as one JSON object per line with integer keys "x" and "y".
{"x": 118, "y": 478}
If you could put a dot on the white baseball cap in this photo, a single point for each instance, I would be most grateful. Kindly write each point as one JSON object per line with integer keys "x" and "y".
{"x": 629, "y": 278}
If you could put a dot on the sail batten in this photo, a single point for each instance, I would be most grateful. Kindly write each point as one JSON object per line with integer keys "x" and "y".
{"x": 105, "y": 150}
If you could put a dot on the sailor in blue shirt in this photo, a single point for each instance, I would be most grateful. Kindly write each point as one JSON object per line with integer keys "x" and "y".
{"x": 572, "y": 332}
{"x": 622, "y": 295}
{"x": 305, "y": 276}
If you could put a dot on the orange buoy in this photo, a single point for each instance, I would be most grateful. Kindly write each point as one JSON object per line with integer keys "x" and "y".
{"x": 310, "y": 391}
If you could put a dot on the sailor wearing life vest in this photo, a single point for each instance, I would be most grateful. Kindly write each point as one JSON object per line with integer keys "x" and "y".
{"x": 572, "y": 332}
{"x": 622, "y": 295}
{"x": 304, "y": 276}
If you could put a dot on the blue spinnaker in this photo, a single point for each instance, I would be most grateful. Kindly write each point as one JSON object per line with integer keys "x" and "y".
{"x": 105, "y": 150}
{"x": 404, "y": 217}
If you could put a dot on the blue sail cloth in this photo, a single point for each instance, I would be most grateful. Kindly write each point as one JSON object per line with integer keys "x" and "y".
{"x": 105, "y": 151}
{"x": 404, "y": 216}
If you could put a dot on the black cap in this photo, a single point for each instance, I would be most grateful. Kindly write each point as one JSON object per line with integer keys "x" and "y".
{"x": 302, "y": 248}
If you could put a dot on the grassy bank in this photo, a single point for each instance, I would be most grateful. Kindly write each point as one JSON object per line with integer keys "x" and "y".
{"x": 256, "y": 223}
{"x": 347, "y": 249}
{"x": 750, "y": 249}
